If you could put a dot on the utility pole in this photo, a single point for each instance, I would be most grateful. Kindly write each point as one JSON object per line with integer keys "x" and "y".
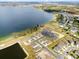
{"x": 44, "y": 2}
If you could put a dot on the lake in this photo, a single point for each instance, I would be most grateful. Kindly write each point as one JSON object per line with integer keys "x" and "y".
{"x": 13, "y": 19}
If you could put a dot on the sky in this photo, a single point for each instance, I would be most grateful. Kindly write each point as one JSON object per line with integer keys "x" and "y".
{"x": 41, "y": 0}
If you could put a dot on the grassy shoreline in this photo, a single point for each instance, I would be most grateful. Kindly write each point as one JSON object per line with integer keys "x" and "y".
{"x": 4, "y": 37}
{"x": 25, "y": 32}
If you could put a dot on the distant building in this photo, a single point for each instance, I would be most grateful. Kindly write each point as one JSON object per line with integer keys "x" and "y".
{"x": 74, "y": 29}
{"x": 49, "y": 34}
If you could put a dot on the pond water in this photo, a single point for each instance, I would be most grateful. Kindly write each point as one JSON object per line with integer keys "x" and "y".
{"x": 13, "y": 19}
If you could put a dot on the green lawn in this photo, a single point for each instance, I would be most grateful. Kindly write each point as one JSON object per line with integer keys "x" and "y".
{"x": 4, "y": 37}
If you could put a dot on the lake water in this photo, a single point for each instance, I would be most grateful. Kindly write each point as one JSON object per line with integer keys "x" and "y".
{"x": 13, "y": 19}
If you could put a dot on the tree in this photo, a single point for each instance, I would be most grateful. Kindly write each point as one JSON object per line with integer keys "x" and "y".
{"x": 59, "y": 17}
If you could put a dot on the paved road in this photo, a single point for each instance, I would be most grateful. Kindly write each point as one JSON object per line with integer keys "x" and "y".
{"x": 51, "y": 51}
